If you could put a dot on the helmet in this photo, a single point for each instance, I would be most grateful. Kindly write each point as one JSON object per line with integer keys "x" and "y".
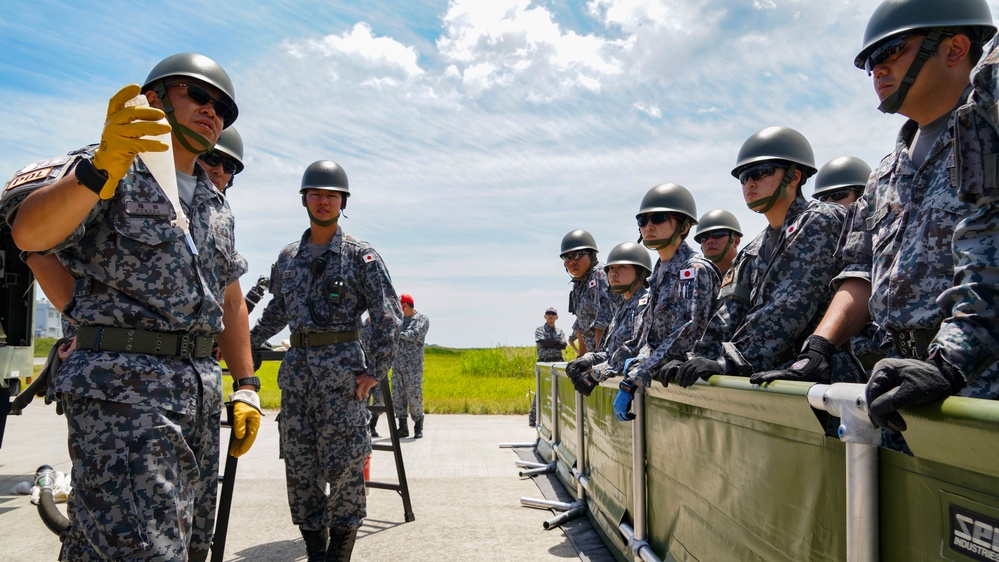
{"x": 718, "y": 219}
{"x": 899, "y": 17}
{"x": 629, "y": 253}
{"x": 776, "y": 143}
{"x": 672, "y": 198}
{"x": 195, "y": 66}
{"x": 231, "y": 144}
{"x": 840, "y": 173}
{"x": 577, "y": 240}
{"x": 325, "y": 175}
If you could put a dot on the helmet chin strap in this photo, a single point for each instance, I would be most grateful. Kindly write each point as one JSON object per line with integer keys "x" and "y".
{"x": 716, "y": 258}
{"x": 181, "y": 132}
{"x": 894, "y": 102}
{"x": 781, "y": 193}
{"x": 623, "y": 289}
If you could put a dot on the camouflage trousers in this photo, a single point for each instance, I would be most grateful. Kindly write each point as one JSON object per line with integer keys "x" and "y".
{"x": 324, "y": 441}
{"x": 144, "y": 482}
{"x": 407, "y": 393}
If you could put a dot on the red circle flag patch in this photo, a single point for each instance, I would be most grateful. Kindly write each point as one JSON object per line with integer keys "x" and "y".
{"x": 688, "y": 273}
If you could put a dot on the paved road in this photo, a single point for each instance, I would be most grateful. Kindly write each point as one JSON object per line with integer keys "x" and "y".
{"x": 465, "y": 493}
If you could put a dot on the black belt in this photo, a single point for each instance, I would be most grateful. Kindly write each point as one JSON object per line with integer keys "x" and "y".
{"x": 127, "y": 340}
{"x": 913, "y": 344}
{"x": 323, "y": 338}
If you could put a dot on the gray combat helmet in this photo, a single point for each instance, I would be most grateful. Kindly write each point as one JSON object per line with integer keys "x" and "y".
{"x": 893, "y": 18}
{"x": 783, "y": 146}
{"x": 200, "y": 67}
{"x": 578, "y": 240}
{"x": 630, "y": 253}
{"x": 325, "y": 175}
{"x": 231, "y": 144}
{"x": 841, "y": 173}
{"x": 718, "y": 219}
{"x": 899, "y": 18}
{"x": 670, "y": 198}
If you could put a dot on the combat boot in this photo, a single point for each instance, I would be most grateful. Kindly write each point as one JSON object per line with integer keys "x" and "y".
{"x": 403, "y": 428}
{"x": 341, "y": 544}
{"x": 418, "y": 428}
{"x": 372, "y": 424}
{"x": 315, "y": 544}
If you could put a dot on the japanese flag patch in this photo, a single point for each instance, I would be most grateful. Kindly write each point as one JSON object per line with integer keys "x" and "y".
{"x": 688, "y": 273}
{"x": 368, "y": 258}
{"x": 791, "y": 230}
{"x": 593, "y": 282}
{"x": 643, "y": 301}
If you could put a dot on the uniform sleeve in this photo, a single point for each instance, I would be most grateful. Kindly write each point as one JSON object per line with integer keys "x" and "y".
{"x": 854, "y": 247}
{"x": 417, "y": 330}
{"x": 384, "y": 311}
{"x": 700, "y": 293}
{"x": 275, "y": 315}
{"x": 539, "y": 334}
{"x": 969, "y": 337}
{"x": 798, "y": 288}
{"x": 606, "y": 303}
{"x": 732, "y": 306}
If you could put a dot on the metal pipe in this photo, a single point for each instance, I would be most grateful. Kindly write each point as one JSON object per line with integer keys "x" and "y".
{"x": 580, "y": 448}
{"x": 518, "y": 445}
{"x": 545, "y": 469}
{"x": 641, "y": 549}
{"x": 564, "y": 517}
{"x": 528, "y": 464}
{"x": 638, "y": 465}
{"x": 555, "y": 425}
{"x": 846, "y": 400}
{"x": 546, "y": 504}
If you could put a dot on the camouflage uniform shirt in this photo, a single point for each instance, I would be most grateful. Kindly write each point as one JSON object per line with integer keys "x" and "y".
{"x": 623, "y": 335}
{"x": 552, "y": 334}
{"x": 682, "y": 296}
{"x": 593, "y": 304}
{"x": 409, "y": 353}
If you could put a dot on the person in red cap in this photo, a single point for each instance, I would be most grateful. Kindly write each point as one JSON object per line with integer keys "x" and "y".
{"x": 407, "y": 369}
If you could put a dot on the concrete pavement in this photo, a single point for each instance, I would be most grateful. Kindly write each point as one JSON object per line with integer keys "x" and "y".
{"x": 465, "y": 493}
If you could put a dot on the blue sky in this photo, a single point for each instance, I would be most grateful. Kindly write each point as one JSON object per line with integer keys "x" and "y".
{"x": 474, "y": 134}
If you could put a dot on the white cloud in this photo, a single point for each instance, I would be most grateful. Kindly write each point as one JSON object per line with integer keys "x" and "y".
{"x": 360, "y": 44}
{"x": 650, "y": 109}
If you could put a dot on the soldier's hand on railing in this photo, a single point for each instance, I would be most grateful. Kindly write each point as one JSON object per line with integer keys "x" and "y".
{"x": 622, "y": 402}
{"x": 897, "y": 383}
{"x": 696, "y": 368}
{"x": 668, "y": 372}
{"x": 812, "y": 364}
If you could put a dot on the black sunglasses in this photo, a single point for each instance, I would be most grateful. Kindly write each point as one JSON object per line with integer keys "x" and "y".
{"x": 202, "y": 97}
{"x": 578, "y": 254}
{"x": 837, "y": 195}
{"x": 757, "y": 172}
{"x": 214, "y": 158}
{"x": 884, "y": 52}
{"x": 714, "y": 235}
{"x": 655, "y": 218}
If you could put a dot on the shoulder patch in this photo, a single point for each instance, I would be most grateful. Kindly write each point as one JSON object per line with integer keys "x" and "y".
{"x": 791, "y": 229}
{"x": 33, "y": 175}
{"x": 368, "y": 258}
{"x": 41, "y": 170}
{"x": 593, "y": 283}
{"x": 643, "y": 301}
{"x": 689, "y": 273}
{"x": 729, "y": 276}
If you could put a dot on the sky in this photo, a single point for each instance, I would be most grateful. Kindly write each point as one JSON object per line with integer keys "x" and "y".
{"x": 475, "y": 134}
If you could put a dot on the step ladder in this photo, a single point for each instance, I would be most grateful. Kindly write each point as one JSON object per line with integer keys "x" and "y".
{"x": 403, "y": 486}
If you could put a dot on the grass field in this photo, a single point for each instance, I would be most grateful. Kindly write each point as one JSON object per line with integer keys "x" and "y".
{"x": 493, "y": 380}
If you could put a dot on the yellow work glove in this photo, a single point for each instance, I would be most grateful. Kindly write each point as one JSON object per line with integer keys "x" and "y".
{"x": 122, "y": 137}
{"x": 245, "y": 421}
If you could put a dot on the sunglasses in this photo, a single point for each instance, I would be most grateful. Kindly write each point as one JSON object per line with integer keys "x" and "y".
{"x": 215, "y": 158}
{"x": 578, "y": 254}
{"x": 758, "y": 172}
{"x": 713, "y": 235}
{"x": 838, "y": 195}
{"x": 201, "y": 96}
{"x": 655, "y": 218}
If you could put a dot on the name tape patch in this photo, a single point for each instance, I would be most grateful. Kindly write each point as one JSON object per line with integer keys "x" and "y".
{"x": 31, "y": 176}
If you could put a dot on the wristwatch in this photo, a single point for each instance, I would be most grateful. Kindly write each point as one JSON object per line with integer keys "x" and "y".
{"x": 255, "y": 381}
{"x": 89, "y": 176}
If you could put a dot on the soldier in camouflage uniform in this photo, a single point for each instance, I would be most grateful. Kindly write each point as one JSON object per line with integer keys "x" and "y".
{"x": 779, "y": 286}
{"x": 628, "y": 267}
{"x": 682, "y": 291}
{"x": 919, "y": 212}
{"x": 322, "y": 285}
{"x": 590, "y": 300}
{"x": 142, "y": 394}
{"x": 549, "y": 339}
{"x": 407, "y": 369}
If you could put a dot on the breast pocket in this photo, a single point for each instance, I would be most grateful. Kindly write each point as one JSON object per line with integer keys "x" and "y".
{"x": 148, "y": 253}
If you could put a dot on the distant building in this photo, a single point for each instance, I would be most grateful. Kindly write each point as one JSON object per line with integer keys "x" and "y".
{"x": 48, "y": 320}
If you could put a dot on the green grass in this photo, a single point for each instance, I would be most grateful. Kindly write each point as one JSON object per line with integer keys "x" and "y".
{"x": 455, "y": 381}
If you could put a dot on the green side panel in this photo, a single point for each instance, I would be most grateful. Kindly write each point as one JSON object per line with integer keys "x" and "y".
{"x": 726, "y": 487}
{"x": 545, "y": 392}
{"x": 932, "y": 429}
{"x": 567, "y": 416}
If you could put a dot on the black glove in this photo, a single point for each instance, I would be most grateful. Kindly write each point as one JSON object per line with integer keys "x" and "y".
{"x": 696, "y": 368}
{"x": 812, "y": 364}
{"x": 578, "y": 372}
{"x": 897, "y": 383}
{"x": 255, "y": 354}
{"x": 668, "y": 372}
